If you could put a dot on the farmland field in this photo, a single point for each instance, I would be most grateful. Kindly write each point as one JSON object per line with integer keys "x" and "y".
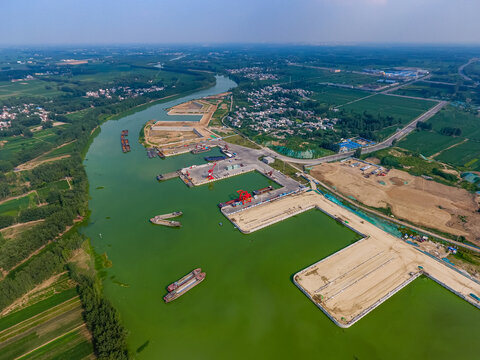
{"x": 41, "y": 140}
{"x": 421, "y": 89}
{"x": 428, "y": 143}
{"x": 298, "y": 73}
{"x": 465, "y": 155}
{"x": 452, "y": 117}
{"x": 28, "y": 88}
{"x": 40, "y": 325}
{"x": 403, "y": 108}
{"x": 336, "y": 96}
{"x": 13, "y": 207}
{"x": 57, "y": 185}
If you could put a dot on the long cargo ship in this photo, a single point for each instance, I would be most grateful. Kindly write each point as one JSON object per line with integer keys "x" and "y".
{"x": 214, "y": 158}
{"x": 124, "y": 141}
{"x": 263, "y": 191}
{"x": 186, "y": 283}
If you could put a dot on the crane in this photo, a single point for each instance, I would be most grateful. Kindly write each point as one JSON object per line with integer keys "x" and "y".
{"x": 244, "y": 196}
{"x": 210, "y": 172}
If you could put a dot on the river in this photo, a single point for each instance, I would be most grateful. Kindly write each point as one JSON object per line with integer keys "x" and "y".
{"x": 248, "y": 306}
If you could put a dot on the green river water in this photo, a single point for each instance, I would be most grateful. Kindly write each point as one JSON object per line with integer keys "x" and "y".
{"x": 248, "y": 306}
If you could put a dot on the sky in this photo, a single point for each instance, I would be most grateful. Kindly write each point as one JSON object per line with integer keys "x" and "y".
{"x": 50, "y": 22}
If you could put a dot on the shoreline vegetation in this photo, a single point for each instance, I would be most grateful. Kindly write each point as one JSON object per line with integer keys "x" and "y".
{"x": 64, "y": 215}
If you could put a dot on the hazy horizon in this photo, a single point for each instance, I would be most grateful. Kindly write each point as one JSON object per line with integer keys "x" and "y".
{"x": 295, "y": 22}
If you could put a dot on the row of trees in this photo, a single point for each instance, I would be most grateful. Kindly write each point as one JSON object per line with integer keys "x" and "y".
{"x": 102, "y": 319}
{"x": 38, "y": 269}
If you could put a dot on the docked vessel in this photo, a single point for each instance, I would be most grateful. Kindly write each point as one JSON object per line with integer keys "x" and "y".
{"x": 162, "y": 219}
{"x": 186, "y": 283}
{"x": 214, "y": 158}
{"x": 200, "y": 150}
{"x": 263, "y": 191}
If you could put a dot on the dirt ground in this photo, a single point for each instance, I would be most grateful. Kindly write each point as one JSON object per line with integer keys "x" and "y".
{"x": 13, "y": 231}
{"x": 25, "y": 299}
{"x": 168, "y": 138}
{"x": 411, "y": 198}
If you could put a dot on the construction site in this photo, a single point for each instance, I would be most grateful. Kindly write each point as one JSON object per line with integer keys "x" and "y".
{"x": 178, "y": 137}
{"x": 413, "y": 198}
{"x": 352, "y": 282}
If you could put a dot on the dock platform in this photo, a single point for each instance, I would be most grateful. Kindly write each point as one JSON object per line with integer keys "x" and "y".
{"x": 168, "y": 176}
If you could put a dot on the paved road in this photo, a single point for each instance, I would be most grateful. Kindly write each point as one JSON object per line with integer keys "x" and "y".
{"x": 462, "y": 68}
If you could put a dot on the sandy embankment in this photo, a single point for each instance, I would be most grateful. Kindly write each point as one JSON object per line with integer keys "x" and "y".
{"x": 411, "y": 198}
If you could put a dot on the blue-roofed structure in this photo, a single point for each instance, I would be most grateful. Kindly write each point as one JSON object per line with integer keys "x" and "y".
{"x": 349, "y": 145}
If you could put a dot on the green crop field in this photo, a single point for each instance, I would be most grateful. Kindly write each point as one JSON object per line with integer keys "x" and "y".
{"x": 465, "y": 155}
{"x": 28, "y": 88}
{"x": 429, "y": 90}
{"x": 42, "y": 140}
{"x": 57, "y": 185}
{"x": 456, "y": 118}
{"x": 13, "y": 207}
{"x": 298, "y": 73}
{"x": 54, "y": 323}
{"x": 64, "y": 150}
{"x": 403, "y": 108}
{"x": 32, "y": 310}
{"x": 334, "y": 95}
{"x": 428, "y": 143}
{"x": 70, "y": 346}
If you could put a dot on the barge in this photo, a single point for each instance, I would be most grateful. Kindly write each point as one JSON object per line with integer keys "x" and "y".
{"x": 214, "y": 158}
{"x": 160, "y": 154}
{"x": 185, "y": 284}
{"x": 162, "y": 219}
{"x": 201, "y": 150}
{"x": 263, "y": 191}
{"x": 124, "y": 141}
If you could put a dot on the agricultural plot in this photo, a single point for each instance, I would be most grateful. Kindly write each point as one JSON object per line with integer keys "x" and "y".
{"x": 35, "y": 335}
{"x": 73, "y": 345}
{"x": 299, "y": 73}
{"x": 427, "y": 90}
{"x": 41, "y": 140}
{"x": 334, "y": 95}
{"x": 28, "y": 88}
{"x": 428, "y": 143}
{"x": 64, "y": 150}
{"x": 464, "y": 155}
{"x": 57, "y": 185}
{"x": 452, "y": 117}
{"x": 13, "y": 207}
{"x": 401, "y": 108}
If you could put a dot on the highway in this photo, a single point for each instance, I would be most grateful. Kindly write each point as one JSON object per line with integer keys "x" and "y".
{"x": 462, "y": 68}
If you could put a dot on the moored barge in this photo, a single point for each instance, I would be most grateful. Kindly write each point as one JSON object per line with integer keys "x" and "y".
{"x": 186, "y": 283}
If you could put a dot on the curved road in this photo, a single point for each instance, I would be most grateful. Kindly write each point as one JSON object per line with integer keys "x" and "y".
{"x": 462, "y": 68}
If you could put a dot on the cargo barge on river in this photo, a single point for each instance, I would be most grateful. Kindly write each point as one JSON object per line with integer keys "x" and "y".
{"x": 214, "y": 158}
{"x": 162, "y": 219}
{"x": 200, "y": 150}
{"x": 186, "y": 283}
{"x": 124, "y": 141}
